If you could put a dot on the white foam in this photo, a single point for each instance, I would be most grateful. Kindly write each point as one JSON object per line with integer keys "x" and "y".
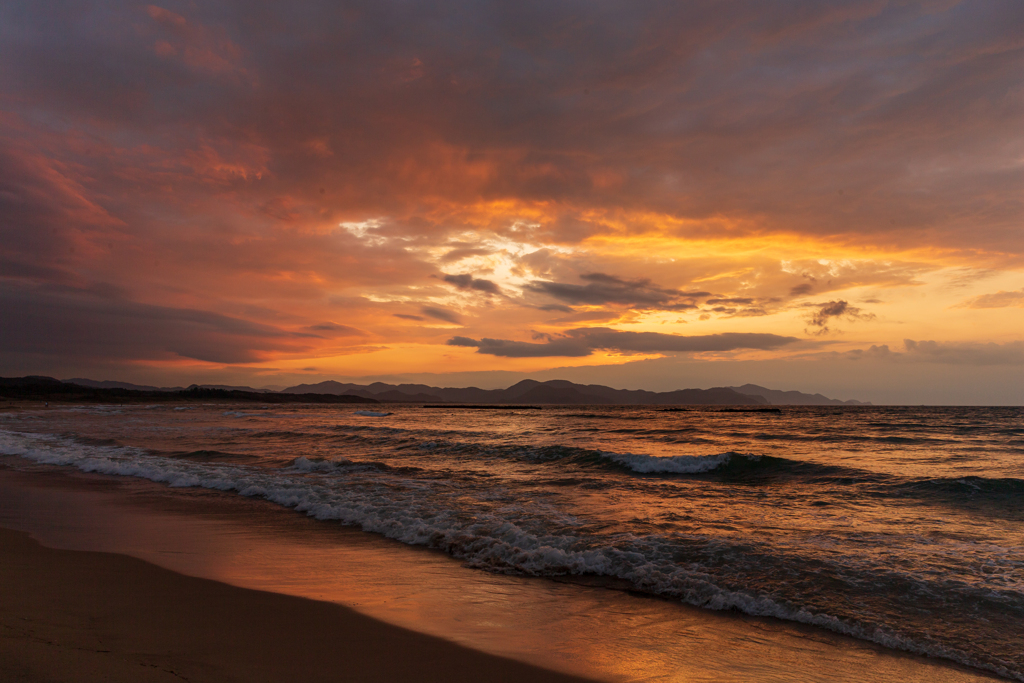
{"x": 304, "y": 464}
{"x": 371, "y": 413}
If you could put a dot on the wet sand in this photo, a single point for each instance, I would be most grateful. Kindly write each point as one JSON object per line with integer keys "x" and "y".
{"x": 87, "y": 616}
{"x": 71, "y": 615}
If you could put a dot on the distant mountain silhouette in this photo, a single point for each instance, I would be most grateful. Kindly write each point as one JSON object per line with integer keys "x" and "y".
{"x": 793, "y": 398}
{"x": 557, "y": 391}
{"x": 38, "y": 388}
{"x": 109, "y": 384}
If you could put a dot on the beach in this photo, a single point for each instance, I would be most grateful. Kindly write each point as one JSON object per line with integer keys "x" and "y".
{"x": 71, "y": 614}
{"x": 87, "y": 616}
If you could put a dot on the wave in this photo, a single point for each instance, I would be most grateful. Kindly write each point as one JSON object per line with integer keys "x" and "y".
{"x": 971, "y": 486}
{"x": 676, "y": 464}
{"x": 498, "y": 531}
{"x": 208, "y": 455}
{"x": 339, "y": 464}
{"x": 304, "y": 464}
{"x": 734, "y": 465}
{"x": 723, "y": 466}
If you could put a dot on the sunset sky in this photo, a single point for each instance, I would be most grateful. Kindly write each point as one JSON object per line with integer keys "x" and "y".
{"x": 822, "y": 196}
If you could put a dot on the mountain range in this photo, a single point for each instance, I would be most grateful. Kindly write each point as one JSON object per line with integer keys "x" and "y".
{"x": 568, "y": 393}
{"x": 527, "y": 391}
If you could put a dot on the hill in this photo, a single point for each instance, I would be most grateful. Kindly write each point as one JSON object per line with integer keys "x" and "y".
{"x": 37, "y": 388}
{"x": 793, "y": 398}
{"x": 560, "y": 392}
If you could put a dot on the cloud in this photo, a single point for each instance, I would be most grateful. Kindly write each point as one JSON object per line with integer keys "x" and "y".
{"x": 997, "y": 300}
{"x": 467, "y": 281}
{"x": 1010, "y": 353}
{"x": 516, "y": 349}
{"x": 690, "y": 110}
{"x": 460, "y": 253}
{"x": 948, "y": 353}
{"x": 605, "y": 289}
{"x": 197, "y": 46}
{"x": 442, "y": 314}
{"x": 406, "y": 316}
{"x": 336, "y": 330}
{"x": 835, "y": 310}
{"x": 270, "y": 163}
{"x": 79, "y": 325}
{"x": 583, "y": 341}
{"x": 801, "y": 290}
{"x": 733, "y": 300}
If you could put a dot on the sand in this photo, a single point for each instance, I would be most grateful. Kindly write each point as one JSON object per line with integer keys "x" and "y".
{"x": 88, "y": 616}
{"x": 275, "y": 590}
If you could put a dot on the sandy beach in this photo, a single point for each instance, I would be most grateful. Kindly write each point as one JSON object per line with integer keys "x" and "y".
{"x": 89, "y": 616}
{"x": 214, "y": 587}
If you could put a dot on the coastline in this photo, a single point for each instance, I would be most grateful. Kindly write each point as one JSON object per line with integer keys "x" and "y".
{"x": 89, "y": 616}
{"x": 591, "y": 632}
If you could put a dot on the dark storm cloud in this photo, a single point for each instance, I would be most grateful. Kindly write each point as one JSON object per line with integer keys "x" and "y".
{"x": 605, "y": 289}
{"x": 74, "y": 324}
{"x": 467, "y": 281}
{"x": 583, "y": 341}
{"x": 442, "y": 314}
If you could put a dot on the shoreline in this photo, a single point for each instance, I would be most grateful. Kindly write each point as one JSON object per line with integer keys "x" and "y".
{"x": 91, "y": 616}
{"x": 592, "y": 632}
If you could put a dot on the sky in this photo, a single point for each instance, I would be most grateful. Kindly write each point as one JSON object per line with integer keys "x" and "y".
{"x": 811, "y": 195}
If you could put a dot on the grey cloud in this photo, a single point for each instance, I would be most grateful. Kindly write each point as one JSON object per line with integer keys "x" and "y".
{"x": 336, "y": 330}
{"x": 607, "y": 338}
{"x": 603, "y": 289}
{"x": 464, "y": 252}
{"x": 406, "y": 316}
{"x": 442, "y": 314}
{"x": 734, "y": 300}
{"x": 835, "y": 310}
{"x": 556, "y": 307}
{"x": 75, "y": 324}
{"x": 800, "y": 290}
{"x": 515, "y": 349}
{"x": 583, "y": 341}
{"x": 467, "y": 281}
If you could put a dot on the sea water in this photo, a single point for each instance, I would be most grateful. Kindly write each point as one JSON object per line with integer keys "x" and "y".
{"x": 899, "y": 526}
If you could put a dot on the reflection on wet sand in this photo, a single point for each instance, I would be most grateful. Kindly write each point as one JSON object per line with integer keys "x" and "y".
{"x": 579, "y": 629}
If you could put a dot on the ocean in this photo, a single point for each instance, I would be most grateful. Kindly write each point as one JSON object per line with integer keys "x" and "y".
{"x": 902, "y": 526}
